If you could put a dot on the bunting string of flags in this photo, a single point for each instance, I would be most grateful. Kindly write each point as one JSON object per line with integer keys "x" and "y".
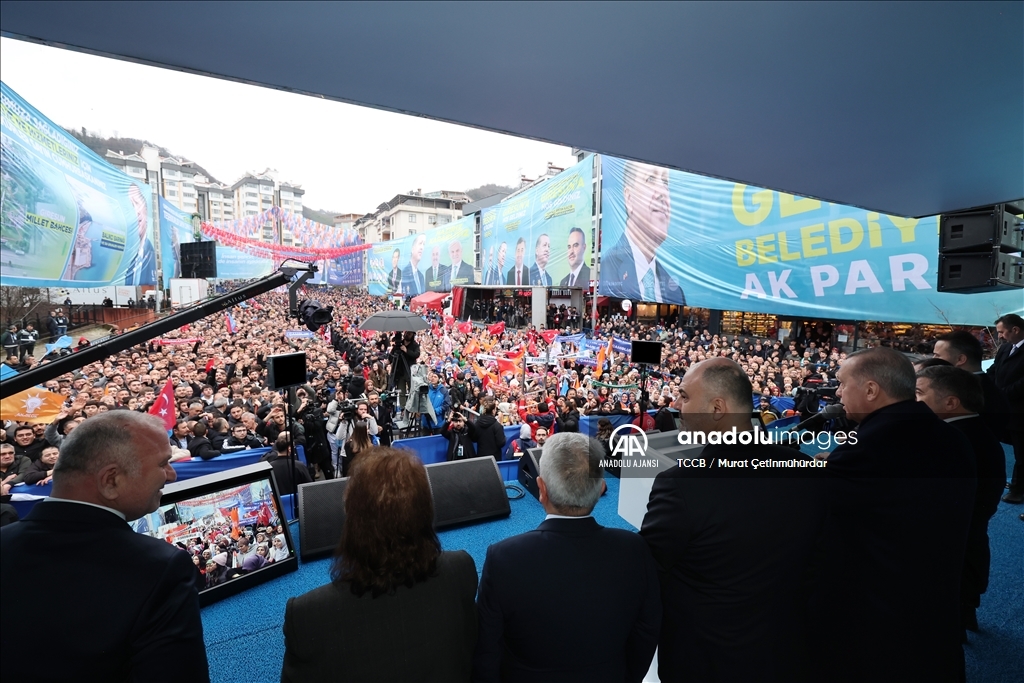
{"x": 278, "y": 252}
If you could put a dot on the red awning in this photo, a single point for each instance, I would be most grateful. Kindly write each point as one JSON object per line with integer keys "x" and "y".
{"x": 428, "y": 300}
{"x": 603, "y": 301}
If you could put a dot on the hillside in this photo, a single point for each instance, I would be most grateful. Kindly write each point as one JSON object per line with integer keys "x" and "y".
{"x": 127, "y": 146}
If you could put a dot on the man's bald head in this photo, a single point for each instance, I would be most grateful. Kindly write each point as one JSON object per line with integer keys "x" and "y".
{"x": 715, "y": 395}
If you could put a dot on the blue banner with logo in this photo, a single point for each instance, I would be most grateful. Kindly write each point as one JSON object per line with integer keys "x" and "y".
{"x": 345, "y": 271}
{"x": 681, "y": 238}
{"x": 431, "y": 261}
{"x": 175, "y": 230}
{"x": 543, "y": 235}
{"x": 68, "y": 218}
{"x": 234, "y": 264}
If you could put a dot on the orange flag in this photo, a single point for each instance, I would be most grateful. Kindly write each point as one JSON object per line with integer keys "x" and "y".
{"x": 600, "y": 362}
{"x": 472, "y": 348}
{"x": 32, "y": 405}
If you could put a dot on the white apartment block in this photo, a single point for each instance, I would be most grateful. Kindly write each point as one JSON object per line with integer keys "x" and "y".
{"x": 408, "y": 214}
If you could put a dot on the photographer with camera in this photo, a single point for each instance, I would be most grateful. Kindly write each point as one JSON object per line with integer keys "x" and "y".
{"x": 459, "y": 435}
{"x": 404, "y": 353}
{"x": 351, "y": 413}
{"x": 343, "y": 408}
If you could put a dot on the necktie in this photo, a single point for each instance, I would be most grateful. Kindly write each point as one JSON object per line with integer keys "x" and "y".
{"x": 648, "y": 283}
{"x": 572, "y": 280}
{"x": 416, "y": 277}
{"x": 1013, "y": 350}
{"x": 519, "y": 274}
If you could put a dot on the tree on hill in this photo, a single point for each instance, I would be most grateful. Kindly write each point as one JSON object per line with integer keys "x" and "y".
{"x": 484, "y": 191}
{"x": 319, "y": 215}
{"x": 100, "y": 145}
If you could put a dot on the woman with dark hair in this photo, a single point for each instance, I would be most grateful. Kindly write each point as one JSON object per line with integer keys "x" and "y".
{"x": 389, "y": 577}
{"x": 358, "y": 442}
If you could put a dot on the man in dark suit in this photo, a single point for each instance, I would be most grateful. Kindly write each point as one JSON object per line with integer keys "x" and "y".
{"x": 631, "y": 269}
{"x": 395, "y": 274}
{"x": 541, "y": 255}
{"x": 579, "y": 272}
{"x": 382, "y": 416}
{"x": 413, "y": 280}
{"x": 436, "y": 275}
{"x": 519, "y": 275}
{"x": 460, "y": 273}
{"x": 732, "y": 546}
{"x": 282, "y": 458}
{"x": 886, "y": 602}
{"x": 561, "y": 566}
{"x": 496, "y": 275}
{"x": 962, "y": 349}
{"x": 1008, "y": 373}
{"x": 123, "y": 605}
{"x": 956, "y": 396}
{"x": 142, "y": 267}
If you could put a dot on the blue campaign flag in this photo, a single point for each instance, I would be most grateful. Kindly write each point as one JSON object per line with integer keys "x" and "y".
{"x": 7, "y": 371}
{"x": 64, "y": 342}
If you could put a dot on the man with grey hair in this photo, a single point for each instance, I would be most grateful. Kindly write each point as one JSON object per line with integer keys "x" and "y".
{"x": 901, "y": 497}
{"x": 731, "y": 545}
{"x": 568, "y": 570}
{"x": 123, "y": 605}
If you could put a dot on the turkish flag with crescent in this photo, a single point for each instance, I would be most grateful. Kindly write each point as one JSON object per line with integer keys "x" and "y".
{"x": 163, "y": 407}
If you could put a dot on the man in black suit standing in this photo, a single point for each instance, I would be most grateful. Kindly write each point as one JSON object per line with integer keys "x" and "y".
{"x": 962, "y": 349}
{"x": 413, "y": 282}
{"x": 496, "y": 274}
{"x": 579, "y": 272}
{"x": 631, "y": 269}
{"x": 956, "y": 396}
{"x": 436, "y": 275}
{"x": 887, "y": 598}
{"x": 395, "y": 274}
{"x": 732, "y": 546}
{"x": 532, "y": 582}
{"x": 382, "y": 416}
{"x": 519, "y": 275}
{"x": 1008, "y": 372}
{"x": 122, "y": 605}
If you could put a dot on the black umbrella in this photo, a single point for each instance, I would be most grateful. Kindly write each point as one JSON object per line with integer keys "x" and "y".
{"x": 394, "y": 321}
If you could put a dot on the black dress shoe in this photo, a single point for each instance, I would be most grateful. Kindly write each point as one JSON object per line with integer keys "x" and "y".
{"x": 1014, "y": 498}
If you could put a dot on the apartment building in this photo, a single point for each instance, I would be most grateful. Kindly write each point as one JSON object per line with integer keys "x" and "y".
{"x": 409, "y": 214}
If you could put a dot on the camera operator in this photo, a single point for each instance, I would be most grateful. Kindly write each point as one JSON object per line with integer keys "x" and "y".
{"x": 404, "y": 353}
{"x": 352, "y": 412}
{"x": 308, "y": 413}
{"x": 460, "y": 439}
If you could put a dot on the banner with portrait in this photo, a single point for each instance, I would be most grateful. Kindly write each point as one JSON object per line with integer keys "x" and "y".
{"x": 344, "y": 271}
{"x": 175, "y": 230}
{"x": 431, "y": 261}
{"x": 717, "y": 244}
{"x": 543, "y": 235}
{"x": 67, "y": 217}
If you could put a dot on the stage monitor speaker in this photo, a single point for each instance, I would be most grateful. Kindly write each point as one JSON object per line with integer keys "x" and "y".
{"x": 997, "y": 227}
{"x": 988, "y": 271}
{"x": 286, "y": 370}
{"x": 321, "y": 517}
{"x": 468, "y": 490}
{"x": 199, "y": 259}
{"x": 645, "y": 352}
{"x": 529, "y": 470}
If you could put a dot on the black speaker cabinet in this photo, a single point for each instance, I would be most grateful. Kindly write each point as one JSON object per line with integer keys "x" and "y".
{"x": 199, "y": 259}
{"x": 987, "y": 271}
{"x": 529, "y": 470}
{"x": 286, "y": 370}
{"x": 321, "y": 517}
{"x": 991, "y": 227}
{"x": 645, "y": 352}
{"x": 463, "y": 491}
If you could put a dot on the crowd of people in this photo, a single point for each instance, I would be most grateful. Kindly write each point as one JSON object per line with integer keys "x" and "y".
{"x": 466, "y": 381}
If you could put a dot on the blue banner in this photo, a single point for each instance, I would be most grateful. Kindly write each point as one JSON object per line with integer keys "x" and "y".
{"x": 431, "y": 261}
{"x": 542, "y": 236}
{"x": 233, "y": 264}
{"x": 68, "y": 218}
{"x": 676, "y": 237}
{"x": 175, "y": 230}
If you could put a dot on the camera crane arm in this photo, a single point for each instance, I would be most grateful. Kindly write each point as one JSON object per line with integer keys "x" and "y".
{"x": 107, "y": 347}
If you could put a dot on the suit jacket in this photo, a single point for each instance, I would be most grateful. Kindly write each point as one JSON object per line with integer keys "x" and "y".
{"x": 422, "y": 633}
{"x": 394, "y": 279}
{"x": 990, "y": 465}
{"x": 146, "y": 273}
{"x": 532, "y": 582}
{"x": 461, "y": 274}
{"x": 996, "y": 413}
{"x": 202, "y": 447}
{"x": 887, "y": 604}
{"x": 410, "y": 285}
{"x": 1008, "y": 372}
{"x": 535, "y": 277}
{"x": 123, "y": 606}
{"x": 494, "y": 276}
{"x": 732, "y": 550}
{"x": 436, "y": 282}
{"x": 582, "y": 280}
{"x": 510, "y": 278}
{"x": 618, "y": 276}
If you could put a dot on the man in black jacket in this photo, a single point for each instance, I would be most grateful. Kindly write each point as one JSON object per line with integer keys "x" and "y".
{"x": 732, "y": 546}
{"x": 664, "y": 420}
{"x": 886, "y": 605}
{"x": 460, "y": 442}
{"x": 562, "y": 565}
{"x": 382, "y": 416}
{"x": 1008, "y": 372}
{"x": 282, "y": 459}
{"x": 962, "y": 349}
{"x": 487, "y": 431}
{"x": 240, "y": 440}
{"x": 956, "y": 396}
{"x": 200, "y": 446}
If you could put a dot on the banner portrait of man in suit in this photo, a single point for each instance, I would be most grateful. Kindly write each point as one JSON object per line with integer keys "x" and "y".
{"x": 413, "y": 281}
{"x": 631, "y": 269}
{"x": 519, "y": 275}
{"x": 579, "y": 272}
{"x": 541, "y": 256}
{"x": 395, "y": 274}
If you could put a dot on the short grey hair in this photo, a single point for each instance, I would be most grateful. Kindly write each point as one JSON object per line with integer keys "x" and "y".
{"x": 890, "y": 369}
{"x": 729, "y": 381}
{"x": 107, "y": 438}
{"x": 219, "y": 402}
{"x": 569, "y": 466}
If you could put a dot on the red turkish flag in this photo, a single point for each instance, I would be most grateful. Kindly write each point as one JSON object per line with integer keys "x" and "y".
{"x": 465, "y": 328}
{"x": 163, "y": 407}
{"x": 497, "y": 328}
{"x": 209, "y": 365}
{"x": 549, "y": 335}
{"x": 449, "y": 321}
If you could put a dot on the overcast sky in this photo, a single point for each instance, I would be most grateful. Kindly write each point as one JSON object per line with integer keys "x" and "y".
{"x": 347, "y": 158}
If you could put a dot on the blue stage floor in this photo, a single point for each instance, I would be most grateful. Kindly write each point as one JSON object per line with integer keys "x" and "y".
{"x": 245, "y": 643}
